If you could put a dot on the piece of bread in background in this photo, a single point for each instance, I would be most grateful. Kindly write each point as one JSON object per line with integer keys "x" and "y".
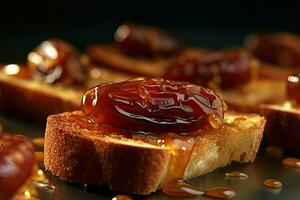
{"x": 112, "y": 57}
{"x": 249, "y": 98}
{"x": 32, "y": 99}
{"x": 283, "y": 124}
{"x": 278, "y": 52}
{"x": 138, "y": 49}
{"x": 35, "y": 100}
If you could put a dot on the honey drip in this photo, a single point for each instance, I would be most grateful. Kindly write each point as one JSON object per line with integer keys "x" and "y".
{"x": 272, "y": 183}
{"x": 181, "y": 150}
{"x": 122, "y": 197}
{"x": 220, "y": 193}
{"x": 236, "y": 174}
{"x": 291, "y": 162}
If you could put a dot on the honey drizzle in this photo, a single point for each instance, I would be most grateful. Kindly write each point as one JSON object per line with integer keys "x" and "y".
{"x": 181, "y": 150}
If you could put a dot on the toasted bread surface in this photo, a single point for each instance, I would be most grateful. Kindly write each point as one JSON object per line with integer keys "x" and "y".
{"x": 249, "y": 98}
{"x": 111, "y": 56}
{"x": 31, "y": 99}
{"x": 276, "y": 72}
{"x": 78, "y": 151}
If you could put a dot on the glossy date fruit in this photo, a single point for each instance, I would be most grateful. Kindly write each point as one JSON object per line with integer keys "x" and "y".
{"x": 146, "y": 41}
{"x": 56, "y": 61}
{"x": 213, "y": 69}
{"x": 154, "y": 105}
{"x": 276, "y": 48}
{"x": 293, "y": 87}
{"x": 16, "y": 162}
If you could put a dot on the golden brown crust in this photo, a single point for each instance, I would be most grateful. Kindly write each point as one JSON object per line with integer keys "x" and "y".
{"x": 138, "y": 165}
{"x": 80, "y": 157}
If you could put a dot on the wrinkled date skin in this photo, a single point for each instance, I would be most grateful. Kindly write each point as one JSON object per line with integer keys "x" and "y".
{"x": 146, "y": 41}
{"x": 293, "y": 88}
{"x": 277, "y": 48}
{"x": 214, "y": 69}
{"x": 154, "y": 105}
{"x": 55, "y": 61}
{"x": 16, "y": 162}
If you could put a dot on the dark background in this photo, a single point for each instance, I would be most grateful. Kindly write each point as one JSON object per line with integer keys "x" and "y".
{"x": 214, "y": 24}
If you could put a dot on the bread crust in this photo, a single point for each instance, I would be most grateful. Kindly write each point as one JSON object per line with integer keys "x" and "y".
{"x": 138, "y": 165}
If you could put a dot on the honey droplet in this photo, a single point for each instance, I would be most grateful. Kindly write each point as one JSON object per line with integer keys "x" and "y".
{"x": 291, "y": 162}
{"x": 122, "y": 197}
{"x": 272, "y": 183}
{"x": 236, "y": 174}
{"x": 214, "y": 121}
{"x": 179, "y": 188}
{"x": 220, "y": 193}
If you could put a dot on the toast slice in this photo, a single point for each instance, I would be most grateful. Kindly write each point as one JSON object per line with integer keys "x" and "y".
{"x": 27, "y": 98}
{"x": 276, "y": 72}
{"x": 81, "y": 152}
{"x": 36, "y": 100}
{"x": 249, "y": 98}
{"x": 283, "y": 123}
{"x": 111, "y": 56}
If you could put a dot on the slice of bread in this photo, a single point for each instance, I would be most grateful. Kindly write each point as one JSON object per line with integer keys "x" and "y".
{"x": 32, "y": 99}
{"x": 111, "y": 56}
{"x": 36, "y": 100}
{"x": 249, "y": 98}
{"x": 81, "y": 152}
{"x": 276, "y": 72}
{"x": 283, "y": 123}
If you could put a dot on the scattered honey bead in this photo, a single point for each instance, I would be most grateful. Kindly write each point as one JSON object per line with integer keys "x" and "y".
{"x": 291, "y": 162}
{"x": 220, "y": 193}
{"x": 272, "y": 183}
{"x": 236, "y": 174}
